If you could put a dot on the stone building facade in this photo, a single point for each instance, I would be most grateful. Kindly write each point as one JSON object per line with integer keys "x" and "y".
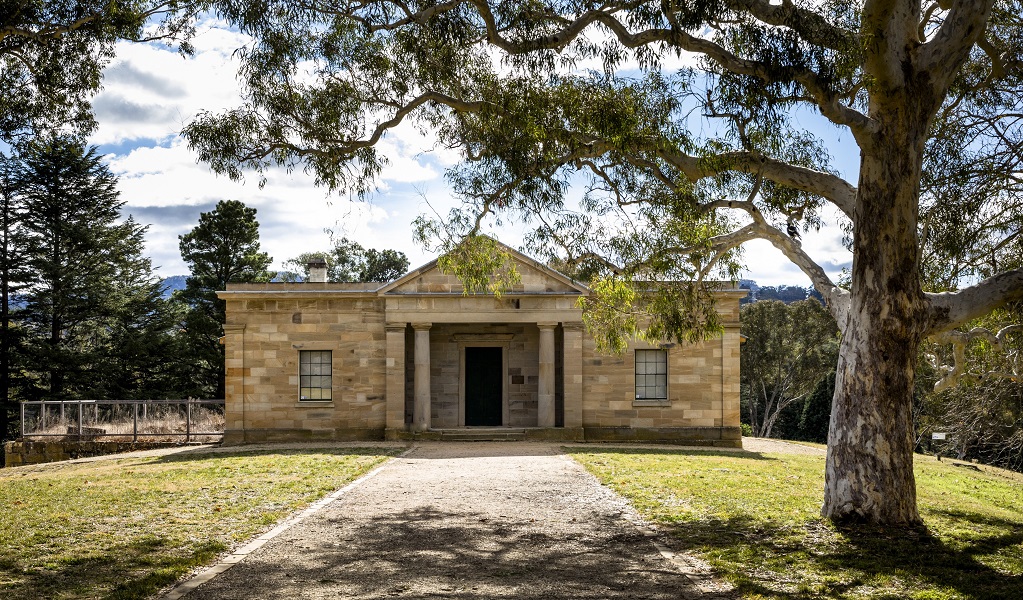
{"x": 417, "y": 358}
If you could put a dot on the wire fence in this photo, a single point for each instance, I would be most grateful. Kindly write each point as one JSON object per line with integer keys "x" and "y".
{"x": 123, "y": 420}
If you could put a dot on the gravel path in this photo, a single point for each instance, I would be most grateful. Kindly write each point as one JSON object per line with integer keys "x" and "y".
{"x": 466, "y": 520}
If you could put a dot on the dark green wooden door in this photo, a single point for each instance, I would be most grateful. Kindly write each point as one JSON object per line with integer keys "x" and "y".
{"x": 484, "y": 372}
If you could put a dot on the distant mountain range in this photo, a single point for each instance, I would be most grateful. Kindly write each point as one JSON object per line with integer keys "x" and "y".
{"x": 172, "y": 284}
{"x": 177, "y": 282}
{"x": 786, "y": 293}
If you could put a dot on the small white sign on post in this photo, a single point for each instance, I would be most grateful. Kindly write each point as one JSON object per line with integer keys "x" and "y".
{"x": 937, "y": 436}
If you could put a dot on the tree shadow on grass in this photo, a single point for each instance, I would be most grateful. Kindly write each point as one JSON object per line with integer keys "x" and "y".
{"x": 122, "y": 572}
{"x": 818, "y": 561}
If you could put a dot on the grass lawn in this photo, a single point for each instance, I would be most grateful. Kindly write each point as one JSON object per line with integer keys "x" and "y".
{"x": 124, "y": 528}
{"x": 755, "y": 518}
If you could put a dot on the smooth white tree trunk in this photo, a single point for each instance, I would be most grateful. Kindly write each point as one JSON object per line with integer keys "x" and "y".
{"x": 869, "y": 475}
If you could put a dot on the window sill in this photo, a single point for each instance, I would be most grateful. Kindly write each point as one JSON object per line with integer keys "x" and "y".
{"x": 651, "y": 402}
{"x": 315, "y": 404}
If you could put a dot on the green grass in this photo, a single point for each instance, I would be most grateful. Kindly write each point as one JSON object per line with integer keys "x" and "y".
{"x": 125, "y": 528}
{"x": 755, "y": 518}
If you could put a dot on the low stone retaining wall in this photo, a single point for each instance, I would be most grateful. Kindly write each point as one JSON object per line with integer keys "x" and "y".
{"x": 32, "y": 453}
{"x": 718, "y": 437}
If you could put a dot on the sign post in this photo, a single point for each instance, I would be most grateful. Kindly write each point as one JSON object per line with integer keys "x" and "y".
{"x": 938, "y": 436}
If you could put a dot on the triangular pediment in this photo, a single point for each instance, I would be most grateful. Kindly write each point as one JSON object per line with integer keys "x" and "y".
{"x": 536, "y": 279}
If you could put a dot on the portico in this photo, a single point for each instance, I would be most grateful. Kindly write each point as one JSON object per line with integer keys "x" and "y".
{"x": 464, "y": 361}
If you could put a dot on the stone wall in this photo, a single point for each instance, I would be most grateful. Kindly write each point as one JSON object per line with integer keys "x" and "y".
{"x": 703, "y": 387}
{"x": 694, "y": 389}
{"x": 264, "y": 338}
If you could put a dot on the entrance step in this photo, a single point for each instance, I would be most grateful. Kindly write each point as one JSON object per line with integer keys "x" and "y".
{"x": 482, "y": 434}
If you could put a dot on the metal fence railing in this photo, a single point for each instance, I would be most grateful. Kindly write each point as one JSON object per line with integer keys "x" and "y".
{"x": 154, "y": 420}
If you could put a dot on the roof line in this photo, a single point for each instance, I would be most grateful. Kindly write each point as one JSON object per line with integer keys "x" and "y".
{"x": 579, "y": 287}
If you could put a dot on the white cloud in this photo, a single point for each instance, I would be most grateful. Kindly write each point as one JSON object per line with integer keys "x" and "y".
{"x": 406, "y": 161}
{"x": 165, "y": 183}
{"x": 151, "y": 90}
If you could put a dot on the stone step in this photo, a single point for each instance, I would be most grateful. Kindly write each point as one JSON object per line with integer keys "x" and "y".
{"x": 481, "y": 434}
{"x": 484, "y": 438}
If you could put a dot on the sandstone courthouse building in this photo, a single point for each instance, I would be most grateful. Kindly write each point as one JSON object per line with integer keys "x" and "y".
{"x": 417, "y": 358}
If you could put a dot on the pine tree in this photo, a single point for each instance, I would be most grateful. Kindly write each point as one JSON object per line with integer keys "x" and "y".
{"x": 813, "y": 423}
{"x": 145, "y": 357}
{"x": 12, "y": 279}
{"x": 223, "y": 248}
{"x": 85, "y": 270}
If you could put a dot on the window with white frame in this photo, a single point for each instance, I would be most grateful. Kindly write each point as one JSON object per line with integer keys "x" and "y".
{"x": 651, "y": 374}
{"x": 314, "y": 375}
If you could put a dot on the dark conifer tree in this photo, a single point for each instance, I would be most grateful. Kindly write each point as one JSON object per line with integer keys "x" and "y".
{"x": 223, "y": 248}
{"x": 12, "y": 279}
{"x": 89, "y": 288}
{"x": 813, "y": 423}
{"x": 146, "y": 358}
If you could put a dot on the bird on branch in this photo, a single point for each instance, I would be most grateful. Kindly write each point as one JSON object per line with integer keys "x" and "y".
{"x": 792, "y": 230}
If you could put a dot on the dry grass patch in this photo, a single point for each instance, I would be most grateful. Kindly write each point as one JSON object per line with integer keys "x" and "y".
{"x": 160, "y": 422}
{"x": 124, "y": 528}
{"x": 755, "y": 518}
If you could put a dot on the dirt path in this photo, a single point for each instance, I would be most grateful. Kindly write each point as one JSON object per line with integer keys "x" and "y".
{"x": 464, "y": 520}
{"x": 751, "y": 444}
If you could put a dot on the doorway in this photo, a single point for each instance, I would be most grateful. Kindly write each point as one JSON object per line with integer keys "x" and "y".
{"x": 484, "y": 378}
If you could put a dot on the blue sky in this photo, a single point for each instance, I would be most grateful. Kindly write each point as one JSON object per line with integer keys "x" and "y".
{"x": 150, "y": 92}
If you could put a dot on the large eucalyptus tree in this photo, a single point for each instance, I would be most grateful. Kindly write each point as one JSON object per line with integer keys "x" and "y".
{"x": 684, "y": 131}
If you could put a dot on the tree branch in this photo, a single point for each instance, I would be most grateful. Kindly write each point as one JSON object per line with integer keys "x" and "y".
{"x": 810, "y": 26}
{"x": 942, "y": 55}
{"x": 836, "y": 297}
{"x": 51, "y": 31}
{"x": 832, "y": 187}
{"x": 259, "y": 153}
{"x": 958, "y": 371}
{"x": 826, "y": 185}
{"x": 826, "y": 100}
{"x": 951, "y": 309}
{"x": 722, "y": 244}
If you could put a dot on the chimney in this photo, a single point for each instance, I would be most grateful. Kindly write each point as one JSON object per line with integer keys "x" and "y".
{"x": 317, "y": 270}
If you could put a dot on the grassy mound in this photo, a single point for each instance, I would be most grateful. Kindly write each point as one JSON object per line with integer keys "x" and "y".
{"x": 755, "y": 518}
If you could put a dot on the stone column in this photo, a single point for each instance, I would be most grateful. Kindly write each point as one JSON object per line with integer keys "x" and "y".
{"x": 572, "y": 371}
{"x": 730, "y": 384}
{"x": 545, "y": 396}
{"x": 234, "y": 384}
{"x": 395, "y": 387}
{"x": 421, "y": 410}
